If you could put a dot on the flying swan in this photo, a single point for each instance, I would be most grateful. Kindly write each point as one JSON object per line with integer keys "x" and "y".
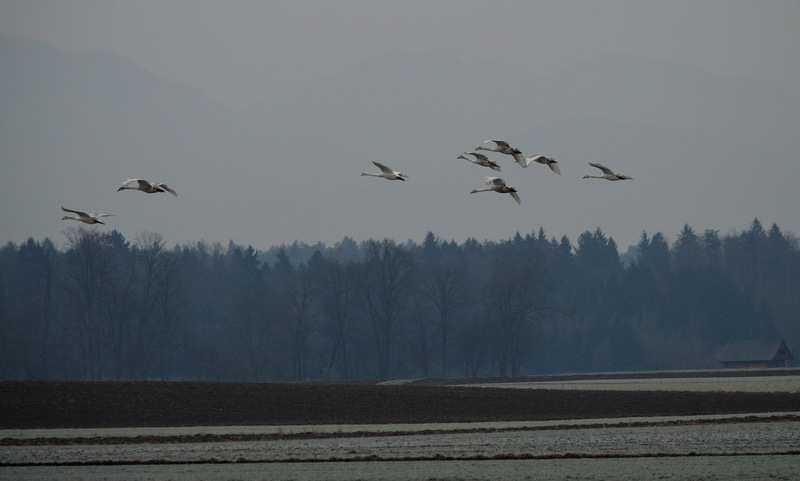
{"x": 550, "y": 162}
{"x": 608, "y": 174}
{"x": 480, "y": 159}
{"x": 145, "y": 186}
{"x": 84, "y": 217}
{"x": 499, "y": 185}
{"x": 386, "y": 173}
{"x": 501, "y": 146}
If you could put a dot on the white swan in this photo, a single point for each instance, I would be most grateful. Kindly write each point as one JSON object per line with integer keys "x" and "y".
{"x": 386, "y": 173}
{"x": 84, "y": 217}
{"x": 549, "y": 161}
{"x": 480, "y": 159}
{"x": 608, "y": 174}
{"x": 499, "y": 185}
{"x": 145, "y": 186}
{"x": 501, "y": 146}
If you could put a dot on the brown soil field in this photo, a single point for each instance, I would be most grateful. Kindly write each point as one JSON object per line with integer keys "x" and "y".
{"x": 102, "y": 404}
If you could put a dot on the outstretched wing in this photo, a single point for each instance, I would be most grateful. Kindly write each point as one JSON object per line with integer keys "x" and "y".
{"x": 81, "y": 214}
{"x": 384, "y": 169}
{"x": 478, "y": 156}
{"x": 516, "y": 197}
{"x": 142, "y": 182}
{"x": 500, "y": 143}
{"x": 605, "y": 169}
{"x": 495, "y": 181}
{"x": 521, "y": 160}
{"x": 164, "y": 187}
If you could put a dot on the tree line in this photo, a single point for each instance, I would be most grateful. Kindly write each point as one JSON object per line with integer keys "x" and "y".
{"x": 105, "y": 307}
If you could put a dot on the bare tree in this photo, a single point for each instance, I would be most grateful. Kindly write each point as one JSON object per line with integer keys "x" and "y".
{"x": 445, "y": 287}
{"x": 120, "y": 309}
{"x": 88, "y": 259}
{"x": 514, "y": 294}
{"x": 389, "y": 273}
{"x": 300, "y": 295}
{"x": 168, "y": 325}
{"x": 249, "y": 309}
{"x": 149, "y": 248}
{"x": 340, "y": 300}
{"x": 420, "y": 336}
{"x": 40, "y": 262}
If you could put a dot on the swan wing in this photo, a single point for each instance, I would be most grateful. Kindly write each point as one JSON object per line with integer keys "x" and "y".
{"x": 130, "y": 181}
{"x": 478, "y": 156}
{"x": 80, "y": 214}
{"x": 500, "y": 143}
{"x": 495, "y": 182}
{"x": 546, "y": 160}
{"x": 517, "y": 154}
{"x": 384, "y": 169}
{"x": 143, "y": 184}
{"x": 83, "y": 216}
{"x": 95, "y": 215}
{"x": 605, "y": 169}
{"x": 163, "y": 186}
{"x": 516, "y": 197}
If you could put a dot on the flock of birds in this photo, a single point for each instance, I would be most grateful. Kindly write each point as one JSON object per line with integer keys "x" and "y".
{"x": 496, "y": 184}
{"x": 129, "y": 184}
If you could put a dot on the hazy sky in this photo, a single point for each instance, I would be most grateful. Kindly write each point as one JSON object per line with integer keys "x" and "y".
{"x": 243, "y": 51}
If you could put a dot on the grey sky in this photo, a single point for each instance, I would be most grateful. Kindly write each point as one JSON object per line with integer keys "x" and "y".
{"x": 243, "y": 51}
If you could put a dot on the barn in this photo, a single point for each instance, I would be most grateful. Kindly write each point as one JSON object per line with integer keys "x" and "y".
{"x": 754, "y": 354}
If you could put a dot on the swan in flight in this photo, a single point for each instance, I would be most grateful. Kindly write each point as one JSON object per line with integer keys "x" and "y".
{"x": 501, "y": 146}
{"x": 549, "y": 161}
{"x": 386, "y": 173}
{"x": 145, "y": 186}
{"x": 499, "y": 185}
{"x": 84, "y": 217}
{"x": 480, "y": 159}
{"x": 608, "y": 174}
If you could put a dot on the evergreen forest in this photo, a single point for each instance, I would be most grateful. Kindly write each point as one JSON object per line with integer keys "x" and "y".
{"x": 103, "y": 307}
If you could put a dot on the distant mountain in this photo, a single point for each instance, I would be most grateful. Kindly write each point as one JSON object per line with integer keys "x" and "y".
{"x": 401, "y": 99}
{"x": 628, "y": 87}
{"x": 73, "y": 126}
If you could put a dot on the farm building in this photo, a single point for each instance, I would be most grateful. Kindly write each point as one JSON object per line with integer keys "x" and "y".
{"x": 754, "y": 354}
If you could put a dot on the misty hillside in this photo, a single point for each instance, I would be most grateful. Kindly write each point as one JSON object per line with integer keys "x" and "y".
{"x": 630, "y": 88}
{"x": 75, "y": 125}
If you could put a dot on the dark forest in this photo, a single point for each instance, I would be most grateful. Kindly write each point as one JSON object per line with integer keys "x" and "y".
{"x": 104, "y": 307}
